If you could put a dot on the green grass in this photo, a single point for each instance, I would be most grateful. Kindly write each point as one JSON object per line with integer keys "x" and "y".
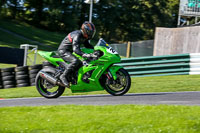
{"x": 139, "y": 85}
{"x": 52, "y": 39}
{"x": 100, "y": 119}
{"x": 8, "y": 40}
{"x": 46, "y": 37}
{"x": 166, "y": 83}
{"x": 7, "y": 65}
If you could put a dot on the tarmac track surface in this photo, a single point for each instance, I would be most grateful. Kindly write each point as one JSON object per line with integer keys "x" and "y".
{"x": 172, "y": 98}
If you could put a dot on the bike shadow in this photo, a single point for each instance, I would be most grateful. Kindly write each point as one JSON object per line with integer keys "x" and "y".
{"x": 126, "y": 95}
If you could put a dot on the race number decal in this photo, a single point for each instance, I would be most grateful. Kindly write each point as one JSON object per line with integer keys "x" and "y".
{"x": 112, "y": 51}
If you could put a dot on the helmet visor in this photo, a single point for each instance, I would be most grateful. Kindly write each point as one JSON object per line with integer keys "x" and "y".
{"x": 91, "y": 33}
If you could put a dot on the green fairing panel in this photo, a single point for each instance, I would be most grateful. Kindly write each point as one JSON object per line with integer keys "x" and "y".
{"x": 99, "y": 66}
{"x": 49, "y": 57}
{"x": 86, "y": 50}
{"x": 94, "y": 84}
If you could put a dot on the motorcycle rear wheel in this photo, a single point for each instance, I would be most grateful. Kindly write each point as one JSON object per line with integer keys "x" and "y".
{"x": 120, "y": 86}
{"x": 46, "y": 89}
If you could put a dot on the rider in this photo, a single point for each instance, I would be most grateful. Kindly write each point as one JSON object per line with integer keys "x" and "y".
{"x": 71, "y": 43}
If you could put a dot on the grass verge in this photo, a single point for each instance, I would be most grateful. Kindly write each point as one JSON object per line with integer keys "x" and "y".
{"x": 101, "y": 119}
{"x": 46, "y": 37}
{"x": 8, "y": 40}
{"x": 52, "y": 39}
{"x": 139, "y": 85}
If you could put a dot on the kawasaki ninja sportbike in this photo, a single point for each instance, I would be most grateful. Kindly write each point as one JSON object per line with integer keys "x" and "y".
{"x": 97, "y": 73}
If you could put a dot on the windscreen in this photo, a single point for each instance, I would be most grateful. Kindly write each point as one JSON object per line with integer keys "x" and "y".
{"x": 104, "y": 44}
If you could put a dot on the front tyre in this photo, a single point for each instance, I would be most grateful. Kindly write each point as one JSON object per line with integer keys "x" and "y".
{"x": 120, "y": 86}
{"x": 46, "y": 89}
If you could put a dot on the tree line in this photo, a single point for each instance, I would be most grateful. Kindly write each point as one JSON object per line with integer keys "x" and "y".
{"x": 115, "y": 20}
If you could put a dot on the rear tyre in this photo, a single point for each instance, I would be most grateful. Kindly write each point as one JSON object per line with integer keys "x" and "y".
{"x": 22, "y": 77}
{"x": 39, "y": 66}
{"x": 21, "y": 73}
{"x": 46, "y": 89}
{"x": 34, "y": 71}
{"x": 1, "y": 87}
{"x": 9, "y": 86}
{"x": 7, "y": 74}
{"x": 9, "y": 78}
{"x": 118, "y": 87}
{"x": 8, "y": 83}
{"x": 21, "y": 68}
{"x": 32, "y": 76}
{"x": 8, "y": 69}
{"x": 32, "y": 84}
{"x": 23, "y": 85}
{"x": 22, "y": 81}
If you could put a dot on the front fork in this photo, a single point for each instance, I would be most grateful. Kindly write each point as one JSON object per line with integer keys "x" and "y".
{"x": 111, "y": 73}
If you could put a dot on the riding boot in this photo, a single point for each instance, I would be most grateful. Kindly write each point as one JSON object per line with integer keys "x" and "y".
{"x": 74, "y": 78}
{"x": 64, "y": 80}
{"x": 64, "y": 75}
{"x": 74, "y": 64}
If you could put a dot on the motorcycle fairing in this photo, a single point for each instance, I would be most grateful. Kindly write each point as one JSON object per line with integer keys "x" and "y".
{"x": 98, "y": 67}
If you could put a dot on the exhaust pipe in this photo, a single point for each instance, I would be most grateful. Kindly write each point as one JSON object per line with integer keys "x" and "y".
{"x": 50, "y": 78}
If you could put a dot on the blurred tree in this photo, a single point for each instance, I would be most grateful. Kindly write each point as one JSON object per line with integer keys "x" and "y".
{"x": 12, "y": 4}
{"x": 115, "y": 20}
{"x": 59, "y": 15}
{"x": 34, "y": 10}
{"x": 134, "y": 20}
{"x": 2, "y": 2}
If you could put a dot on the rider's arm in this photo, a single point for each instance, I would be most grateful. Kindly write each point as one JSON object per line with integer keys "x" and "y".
{"x": 76, "y": 46}
{"x": 88, "y": 45}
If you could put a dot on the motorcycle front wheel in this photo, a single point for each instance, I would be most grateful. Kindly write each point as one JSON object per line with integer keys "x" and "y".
{"x": 46, "y": 89}
{"x": 118, "y": 87}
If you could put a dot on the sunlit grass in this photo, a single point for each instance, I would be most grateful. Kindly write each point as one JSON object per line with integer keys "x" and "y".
{"x": 100, "y": 119}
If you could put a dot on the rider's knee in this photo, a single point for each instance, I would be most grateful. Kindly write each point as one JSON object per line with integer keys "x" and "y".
{"x": 77, "y": 62}
{"x": 61, "y": 52}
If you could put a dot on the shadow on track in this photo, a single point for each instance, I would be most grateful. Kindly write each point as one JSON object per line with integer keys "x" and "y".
{"x": 126, "y": 95}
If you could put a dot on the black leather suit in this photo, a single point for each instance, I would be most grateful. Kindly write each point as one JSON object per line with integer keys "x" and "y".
{"x": 70, "y": 44}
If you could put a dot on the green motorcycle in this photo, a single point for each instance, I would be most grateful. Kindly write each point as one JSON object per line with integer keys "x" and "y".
{"x": 97, "y": 73}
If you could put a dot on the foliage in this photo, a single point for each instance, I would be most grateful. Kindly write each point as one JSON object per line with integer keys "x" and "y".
{"x": 116, "y": 20}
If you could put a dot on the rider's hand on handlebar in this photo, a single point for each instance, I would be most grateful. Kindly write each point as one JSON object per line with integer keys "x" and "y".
{"x": 86, "y": 55}
{"x": 89, "y": 56}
